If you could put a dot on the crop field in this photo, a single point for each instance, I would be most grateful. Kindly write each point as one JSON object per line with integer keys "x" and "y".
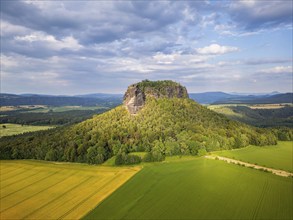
{"x": 47, "y": 190}
{"x": 199, "y": 189}
{"x": 12, "y": 129}
{"x": 279, "y": 156}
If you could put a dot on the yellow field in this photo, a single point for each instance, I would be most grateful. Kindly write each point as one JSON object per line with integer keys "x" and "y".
{"x": 48, "y": 190}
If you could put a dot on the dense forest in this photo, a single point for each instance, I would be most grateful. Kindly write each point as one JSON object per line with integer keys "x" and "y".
{"x": 163, "y": 127}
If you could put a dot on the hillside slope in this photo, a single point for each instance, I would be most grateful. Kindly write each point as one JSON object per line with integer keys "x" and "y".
{"x": 163, "y": 127}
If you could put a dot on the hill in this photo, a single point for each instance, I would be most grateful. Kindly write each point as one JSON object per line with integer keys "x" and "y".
{"x": 226, "y": 98}
{"x": 165, "y": 123}
{"x": 210, "y": 97}
{"x": 33, "y": 99}
{"x": 266, "y": 99}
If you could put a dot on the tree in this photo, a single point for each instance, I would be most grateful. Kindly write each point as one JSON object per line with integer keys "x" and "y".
{"x": 91, "y": 155}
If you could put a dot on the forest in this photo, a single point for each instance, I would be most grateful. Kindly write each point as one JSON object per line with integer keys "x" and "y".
{"x": 48, "y": 118}
{"x": 162, "y": 128}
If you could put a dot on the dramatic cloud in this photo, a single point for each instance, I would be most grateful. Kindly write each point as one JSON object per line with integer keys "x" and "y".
{"x": 254, "y": 14}
{"x": 71, "y": 47}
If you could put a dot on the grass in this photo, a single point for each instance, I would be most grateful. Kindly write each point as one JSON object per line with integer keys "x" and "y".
{"x": 12, "y": 129}
{"x": 278, "y": 157}
{"x": 199, "y": 189}
{"x": 48, "y": 190}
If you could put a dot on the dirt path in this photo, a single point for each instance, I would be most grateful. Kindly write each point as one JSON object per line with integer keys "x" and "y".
{"x": 274, "y": 171}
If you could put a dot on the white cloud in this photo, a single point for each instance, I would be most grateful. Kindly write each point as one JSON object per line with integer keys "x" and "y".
{"x": 215, "y": 49}
{"x": 50, "y": 41}
{"x": 161, "y": 58}
{"x": 278, "y": 70}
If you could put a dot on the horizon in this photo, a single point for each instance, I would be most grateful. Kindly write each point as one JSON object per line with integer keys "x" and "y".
{"x": 84, "y": 47}
{"x": 122, "y": 93}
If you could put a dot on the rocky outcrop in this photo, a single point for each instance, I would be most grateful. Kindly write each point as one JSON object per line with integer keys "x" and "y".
{"x": 134, "y": 99}
{"x": 136, "y": 94}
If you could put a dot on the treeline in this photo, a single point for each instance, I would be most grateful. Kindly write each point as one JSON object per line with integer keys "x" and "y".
{"x": 49, "y": 118}
{"x": 162, "y": 128}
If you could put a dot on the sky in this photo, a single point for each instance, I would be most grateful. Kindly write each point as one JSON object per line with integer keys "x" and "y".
{"x": 79, "y": 47}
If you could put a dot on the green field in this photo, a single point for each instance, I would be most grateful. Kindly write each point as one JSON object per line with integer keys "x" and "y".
{"x": 199, "y": 189}
{"x": 65, "y": 108}
{"x": 48, "y": 190}
{"x": 278, "y": 156}
{"x": 12, "y": 129}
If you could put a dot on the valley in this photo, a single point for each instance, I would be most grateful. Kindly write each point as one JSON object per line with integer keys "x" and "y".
{"x": 159, "y": 155}
{"x": 146, "y": 110}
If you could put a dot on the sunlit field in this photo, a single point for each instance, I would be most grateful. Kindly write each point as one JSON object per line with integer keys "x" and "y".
{"x": 48, "y": 190}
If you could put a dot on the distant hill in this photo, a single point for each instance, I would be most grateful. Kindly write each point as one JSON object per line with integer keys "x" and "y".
{"x": 164, "y": 122}
{"x": 235, "y": 98}
{"x": 110, "y": 100}
{"x": 265, "y": 99}
{"x": 102, "y": 96}
{"x": 35, "y": 99}
{"x": 210, "y": 97}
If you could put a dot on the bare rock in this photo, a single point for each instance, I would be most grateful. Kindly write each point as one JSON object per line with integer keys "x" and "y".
{"x": 136, "y": 94}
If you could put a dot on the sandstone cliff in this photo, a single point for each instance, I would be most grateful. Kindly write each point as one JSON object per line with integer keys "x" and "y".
{"x": 136, "y": 94}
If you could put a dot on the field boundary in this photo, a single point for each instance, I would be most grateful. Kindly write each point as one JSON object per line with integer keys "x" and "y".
{"x": 250, "y": 165}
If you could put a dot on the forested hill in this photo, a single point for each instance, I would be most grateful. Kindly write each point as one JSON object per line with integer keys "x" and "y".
{"x": 162, "y": 127}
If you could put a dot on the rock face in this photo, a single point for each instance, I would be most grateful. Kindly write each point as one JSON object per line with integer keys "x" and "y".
{"x": 136, "y": 94}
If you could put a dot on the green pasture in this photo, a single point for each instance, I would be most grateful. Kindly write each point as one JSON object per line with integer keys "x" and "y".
{"x": 278, "y": 156}
{"x": 48, "y": 190}
{"x": 12, "y": 129}
{"x": 199, "y": 189}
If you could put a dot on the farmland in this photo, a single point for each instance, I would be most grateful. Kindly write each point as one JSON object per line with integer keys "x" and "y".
{"x": 277, "y": 157}
{"x": 66, "y": 108}
{"x": 260, "y": 115}
{"x": 47, "y": 190}
{"x": 199, "y": 189}
{"x": 12, "y": 129}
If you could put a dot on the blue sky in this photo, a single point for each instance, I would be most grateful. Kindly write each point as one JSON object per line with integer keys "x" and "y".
{"x": 79, "y": 47}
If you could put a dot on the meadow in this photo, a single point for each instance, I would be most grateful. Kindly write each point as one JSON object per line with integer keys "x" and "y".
{"x": 278, "y": 156}
{"x": 12, "y": 129}
{"x": 52, "y": 190}
{"x": 199, "y": 189}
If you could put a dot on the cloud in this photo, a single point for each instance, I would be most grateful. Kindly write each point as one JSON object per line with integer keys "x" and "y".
{"x": 216, "y": 49}
{"x": 278, "y": 70}
{"x": 50, "y": 41}
{"x": 267, "y": 61}
{"x": 105, "y": 45}
{"x": 253, "y": 15}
